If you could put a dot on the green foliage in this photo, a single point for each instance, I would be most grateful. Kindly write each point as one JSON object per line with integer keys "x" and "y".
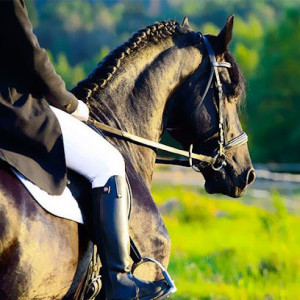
{"x": 210, "y": 28}
{"x": 240, "y": 252}
{"x": 186, "y": 208}
{"x": 274, "y": 100}
{"x": 276, "y": 224}
{"x": 78, "y": 28}
{"x": 248, "y": 35}
{"x": 71, "y": 75}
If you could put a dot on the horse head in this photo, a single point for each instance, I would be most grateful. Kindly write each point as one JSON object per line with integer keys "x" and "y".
{"x": 207, "y": 115}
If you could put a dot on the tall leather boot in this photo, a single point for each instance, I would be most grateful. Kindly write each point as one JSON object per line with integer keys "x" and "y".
{"x": 110, "y": 215}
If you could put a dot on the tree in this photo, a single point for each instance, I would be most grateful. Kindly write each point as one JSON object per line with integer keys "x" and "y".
{"x": 274, "y": 96}
{"x": 71, "y": 75}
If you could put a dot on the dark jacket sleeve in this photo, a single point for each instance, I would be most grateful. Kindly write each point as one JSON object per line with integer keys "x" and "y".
{"x": 34, "y": 62}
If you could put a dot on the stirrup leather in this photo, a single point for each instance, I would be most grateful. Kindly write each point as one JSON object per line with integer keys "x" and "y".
{"x": 92, "y": 284}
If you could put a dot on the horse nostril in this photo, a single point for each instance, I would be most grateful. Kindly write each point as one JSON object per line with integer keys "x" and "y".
{"x": 250, "y": 176}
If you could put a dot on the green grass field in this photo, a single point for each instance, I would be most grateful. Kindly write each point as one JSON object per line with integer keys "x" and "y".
{"x": 226, "y": 249}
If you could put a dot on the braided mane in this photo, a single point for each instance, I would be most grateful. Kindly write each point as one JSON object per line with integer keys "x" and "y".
{"x": 105, "y": 69}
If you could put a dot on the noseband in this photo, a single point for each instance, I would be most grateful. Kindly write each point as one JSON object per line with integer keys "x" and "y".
{"x": 217, "y": 161}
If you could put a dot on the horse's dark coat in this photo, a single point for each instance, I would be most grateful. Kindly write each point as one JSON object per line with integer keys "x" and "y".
{"x": 3, "y": 221}
{"x": 149, "y": 84}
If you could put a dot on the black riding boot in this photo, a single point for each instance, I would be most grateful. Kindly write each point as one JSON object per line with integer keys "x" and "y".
{"x": 110, "y": 215}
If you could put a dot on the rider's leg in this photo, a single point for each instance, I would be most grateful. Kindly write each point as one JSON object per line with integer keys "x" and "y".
{"x": 87, "y": 152}
{"x": 91, "y": 155}
{"x": 111, "y": 223}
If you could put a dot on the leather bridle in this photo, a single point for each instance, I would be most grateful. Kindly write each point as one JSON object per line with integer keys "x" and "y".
{"x": 217, "y": 161}
{"x": 220, "y": 157}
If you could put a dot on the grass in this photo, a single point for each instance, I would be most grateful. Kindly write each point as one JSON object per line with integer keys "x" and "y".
{"x": 225, "y": 249}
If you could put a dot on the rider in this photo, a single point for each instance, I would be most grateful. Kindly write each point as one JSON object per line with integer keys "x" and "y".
{"x": 40, "y": 140}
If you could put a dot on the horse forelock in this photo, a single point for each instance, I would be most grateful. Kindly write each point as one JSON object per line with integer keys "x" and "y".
{"x": 103, "y": 73}
{"x": 237, "y": 79}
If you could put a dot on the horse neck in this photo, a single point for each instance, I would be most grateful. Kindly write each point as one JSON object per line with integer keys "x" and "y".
{"x": 135, "y": 98}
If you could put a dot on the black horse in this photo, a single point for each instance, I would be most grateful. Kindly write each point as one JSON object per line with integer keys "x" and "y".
{"x": 152, "y": 83}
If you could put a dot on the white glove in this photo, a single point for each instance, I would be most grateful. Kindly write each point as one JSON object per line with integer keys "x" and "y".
{"x": 81, "y": 112}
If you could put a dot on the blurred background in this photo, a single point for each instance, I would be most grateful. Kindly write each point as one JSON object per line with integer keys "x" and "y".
{"x": 221, "y": 248}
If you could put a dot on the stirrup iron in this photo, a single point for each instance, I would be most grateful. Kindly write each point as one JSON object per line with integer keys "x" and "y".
{"x": 172, "y": 288}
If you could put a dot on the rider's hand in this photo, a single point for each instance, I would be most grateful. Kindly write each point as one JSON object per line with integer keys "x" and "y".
{"x": 81, "y": 112}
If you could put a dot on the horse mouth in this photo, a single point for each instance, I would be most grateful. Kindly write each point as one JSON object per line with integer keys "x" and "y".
{"x": 234, "y": 192}
{"x": 222, "y": 182}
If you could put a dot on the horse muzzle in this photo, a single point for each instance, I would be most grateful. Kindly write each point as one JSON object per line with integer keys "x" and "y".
{"x": 226, "y": 181}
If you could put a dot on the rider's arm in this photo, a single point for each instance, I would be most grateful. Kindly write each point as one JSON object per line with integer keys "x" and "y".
{"x": 36, "y": 62}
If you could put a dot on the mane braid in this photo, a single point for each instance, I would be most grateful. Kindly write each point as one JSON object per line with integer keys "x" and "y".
{"x": 153, "y": 33}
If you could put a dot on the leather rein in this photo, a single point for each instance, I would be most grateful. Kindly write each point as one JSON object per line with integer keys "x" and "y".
{"x": 216, "y": 162}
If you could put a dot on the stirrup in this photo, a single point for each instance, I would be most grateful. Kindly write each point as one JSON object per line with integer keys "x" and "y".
{"x": 93, "y": 288}
{"x": 172, "y": 288}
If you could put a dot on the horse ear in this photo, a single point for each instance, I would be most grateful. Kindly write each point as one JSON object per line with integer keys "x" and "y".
{"x": 225, "y": 34}
{"x": 185, "y": 23}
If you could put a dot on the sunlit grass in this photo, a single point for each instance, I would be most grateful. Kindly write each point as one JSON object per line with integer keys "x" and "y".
{"x": 224, "y": 249}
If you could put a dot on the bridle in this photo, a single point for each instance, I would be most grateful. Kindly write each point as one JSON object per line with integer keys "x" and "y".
{"x": 217, "y": 161}
{"x": 220, "y": 157}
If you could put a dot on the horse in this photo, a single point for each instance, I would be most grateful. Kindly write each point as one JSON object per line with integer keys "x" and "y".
{"x": 159, "y": 80}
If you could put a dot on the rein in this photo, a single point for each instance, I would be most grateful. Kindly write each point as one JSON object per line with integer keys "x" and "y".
{"x": 151, "y": 144}
{"x": 218, "y": 161}
{"x": 159, "y": 146}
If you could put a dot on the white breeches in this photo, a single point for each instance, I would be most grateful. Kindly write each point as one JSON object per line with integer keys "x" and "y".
{"x": 87, "y": 152}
